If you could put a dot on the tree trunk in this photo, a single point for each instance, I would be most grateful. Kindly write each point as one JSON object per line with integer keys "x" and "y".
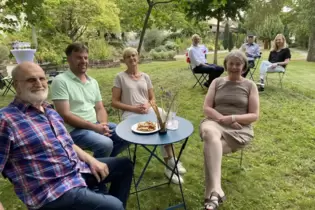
{"x": 215, "y": 56}
{"x": 311, "y": 47}
{"x": 145, "y": 24}
{"x": 266, "y": 44}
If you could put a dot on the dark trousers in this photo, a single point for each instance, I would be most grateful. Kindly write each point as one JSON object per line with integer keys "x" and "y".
{"x": 251, "y": 64}
{"x": 213, "y": 71}
{"x": 95, "y": 196}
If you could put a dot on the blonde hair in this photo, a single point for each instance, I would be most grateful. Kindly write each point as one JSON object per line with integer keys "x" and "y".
{"x": 236, "y": 54}
{"x": 128, "y": 51}
{"x": 195, "y": 36}
{"x": 275, "y": 47}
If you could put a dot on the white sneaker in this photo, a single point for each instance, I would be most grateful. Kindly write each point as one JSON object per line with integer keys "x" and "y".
{"x": 180, "y": 167}
{"x": 175, "y": 179}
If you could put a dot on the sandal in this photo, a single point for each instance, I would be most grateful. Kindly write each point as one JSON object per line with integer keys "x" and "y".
{"x": 213, "y": 204}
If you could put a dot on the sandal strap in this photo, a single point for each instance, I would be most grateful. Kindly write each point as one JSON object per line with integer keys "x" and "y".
{"x": 220, "y": 199}
{"x": 210, "y": 203}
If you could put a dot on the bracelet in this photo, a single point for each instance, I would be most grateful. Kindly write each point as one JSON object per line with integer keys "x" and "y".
{"x": 233, "y": 118}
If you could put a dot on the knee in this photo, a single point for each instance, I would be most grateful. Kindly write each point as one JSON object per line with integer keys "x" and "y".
{"x": 104, "y": 144}
{"x": 115, "y": 204}
{"x": 127, "y": 163}
{"x": 210, "y": 133}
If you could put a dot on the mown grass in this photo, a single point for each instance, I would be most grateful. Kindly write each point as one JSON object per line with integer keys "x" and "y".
{"x": 278, "y": 168}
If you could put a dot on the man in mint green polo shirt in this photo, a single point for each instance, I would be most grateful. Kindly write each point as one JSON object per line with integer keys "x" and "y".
{"x": 78, "y": 100}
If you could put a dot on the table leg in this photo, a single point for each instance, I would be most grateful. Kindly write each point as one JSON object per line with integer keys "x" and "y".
{"x": 134, "y": 166}
{"x": 176, "y": 169}
{"x": 146, "y": 165}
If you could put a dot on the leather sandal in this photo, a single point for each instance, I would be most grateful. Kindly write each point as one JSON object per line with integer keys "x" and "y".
{"x": 213, "y": 204}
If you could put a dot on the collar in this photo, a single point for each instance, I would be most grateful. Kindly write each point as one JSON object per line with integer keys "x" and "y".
{"x": 24, "y": 106}
{"x": 252, "y": 44}
{"x": 74, "y": 77}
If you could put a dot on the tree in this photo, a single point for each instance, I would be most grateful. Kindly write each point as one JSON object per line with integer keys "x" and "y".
{"x": 73, "y": 18}
{"x": 267, "y": 31}
{"x": 231, "y": 42}
{"x": 203, "y": 10}
{"x": 306, "y": 16}
{"x": 226, "y": 36}
{"x": 151, "y": 4}
{"x": 32, "y": 10}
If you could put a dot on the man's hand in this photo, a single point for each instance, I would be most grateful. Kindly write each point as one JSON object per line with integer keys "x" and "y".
{"x": 247, "y": 54}
{"x": 99, "y": 170}
{"x": 107, "y": 132}
{"x": 226, "y": 120}
{"x": 99, "y": 128}
{"x": 236, "y": 125}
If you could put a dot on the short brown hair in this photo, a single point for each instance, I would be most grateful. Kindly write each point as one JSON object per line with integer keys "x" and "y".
{"x": 76, "y": 47}
{"x": 236, "y": 54}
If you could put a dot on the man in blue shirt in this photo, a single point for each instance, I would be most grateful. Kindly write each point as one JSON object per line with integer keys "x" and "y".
{"x": 252, "y": 51}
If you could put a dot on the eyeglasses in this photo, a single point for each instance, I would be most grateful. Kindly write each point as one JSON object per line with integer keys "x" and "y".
{"x": 33, "y": 80}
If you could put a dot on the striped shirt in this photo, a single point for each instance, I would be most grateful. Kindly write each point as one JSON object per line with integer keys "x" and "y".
{"x": 36, "y": 154}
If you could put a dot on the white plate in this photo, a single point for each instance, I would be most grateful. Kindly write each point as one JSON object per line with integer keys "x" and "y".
{"x": 134, "y": 129}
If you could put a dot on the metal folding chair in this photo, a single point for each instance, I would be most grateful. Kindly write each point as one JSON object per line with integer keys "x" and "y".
{"x": 253, "y": 70}
{"x": 240, "y": 157}
{"x": 280, "y": 74}
{"x": 7, "y": 83}
{"x": 201, "y": 79}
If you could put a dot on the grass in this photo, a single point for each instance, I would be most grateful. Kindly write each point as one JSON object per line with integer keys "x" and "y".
{"x": 278, "y": 168}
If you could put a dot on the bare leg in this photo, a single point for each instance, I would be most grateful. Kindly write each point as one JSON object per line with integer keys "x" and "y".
{"x": 214, "y": 148}
{"x": 168, "y": 152}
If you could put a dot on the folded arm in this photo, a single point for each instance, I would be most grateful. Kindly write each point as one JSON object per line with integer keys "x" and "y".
{"x": 116, "y": 101}
{"x": 193, "y": 58}
{"x": 208, "y": 109}
{"x": 253, "y": 108}
{"x": 63, "y": 108}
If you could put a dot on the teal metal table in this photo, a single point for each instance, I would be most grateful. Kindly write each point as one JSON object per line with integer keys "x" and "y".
{"x": 183, "y": 132}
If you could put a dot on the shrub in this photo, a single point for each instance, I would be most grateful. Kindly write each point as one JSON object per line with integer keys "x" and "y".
{"x": 4, "y": 54}
{"x": 153, "y": 38}
{"x": 171, "y": 54}
{"x": 99, "y": 49}
{"x": 162, "y": 55}
{"x": 170, "y": 45}
{"x": 160, "y": 49}
{"x": 48, "y": 55}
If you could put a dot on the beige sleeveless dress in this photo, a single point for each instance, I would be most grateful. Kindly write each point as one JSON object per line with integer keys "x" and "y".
{"x": 232, "y": 98}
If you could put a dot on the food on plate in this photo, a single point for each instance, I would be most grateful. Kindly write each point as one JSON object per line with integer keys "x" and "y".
{"x": 146, "y": 126}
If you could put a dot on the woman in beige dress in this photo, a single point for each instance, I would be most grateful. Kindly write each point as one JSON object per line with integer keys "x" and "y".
{"x": 132, "y": 93}
{"x": 231, "y": 106}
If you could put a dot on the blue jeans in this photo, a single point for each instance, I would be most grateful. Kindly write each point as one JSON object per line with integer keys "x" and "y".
{"x": 100, "y": 145}
{"x": 83, "y": 198}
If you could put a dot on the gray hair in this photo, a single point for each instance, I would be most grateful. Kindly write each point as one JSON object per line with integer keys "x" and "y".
{"x": 236, "y": 54}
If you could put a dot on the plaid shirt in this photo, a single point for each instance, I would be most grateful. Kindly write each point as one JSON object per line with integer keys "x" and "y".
{"x": 36, "y": 154}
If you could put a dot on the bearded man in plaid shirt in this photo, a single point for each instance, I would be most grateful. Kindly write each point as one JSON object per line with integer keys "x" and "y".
{"x": 38, "y": 156}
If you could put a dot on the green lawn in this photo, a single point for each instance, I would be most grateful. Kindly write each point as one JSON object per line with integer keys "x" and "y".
{"x": 279, "y": 165}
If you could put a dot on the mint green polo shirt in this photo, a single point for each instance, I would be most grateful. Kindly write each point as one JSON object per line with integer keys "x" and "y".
{"x": 81, "y": 96}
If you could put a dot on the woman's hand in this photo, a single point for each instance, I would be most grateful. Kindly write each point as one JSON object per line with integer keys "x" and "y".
{"x": 139, "y": 109}
{"x": 274, "y": 65}
{"x": 236, "y": 125}
{"x": 226, "y": 120}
